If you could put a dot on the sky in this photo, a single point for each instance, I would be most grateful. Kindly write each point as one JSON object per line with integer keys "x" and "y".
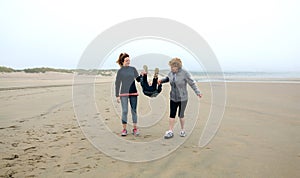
{"x": 256, "y": 35}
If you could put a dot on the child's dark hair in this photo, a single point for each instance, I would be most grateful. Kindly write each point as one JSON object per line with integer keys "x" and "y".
{"x": 121, "y": 58}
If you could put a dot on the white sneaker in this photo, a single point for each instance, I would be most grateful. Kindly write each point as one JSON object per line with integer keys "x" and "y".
{"x": 168, "y": 134}
{"x": 182, "y": 133}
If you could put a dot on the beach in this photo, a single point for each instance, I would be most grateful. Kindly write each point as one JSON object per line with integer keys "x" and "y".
{"x": 41, "y": 135}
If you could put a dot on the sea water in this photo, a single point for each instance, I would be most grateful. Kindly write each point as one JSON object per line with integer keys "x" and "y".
{"x": 278, "y": 77}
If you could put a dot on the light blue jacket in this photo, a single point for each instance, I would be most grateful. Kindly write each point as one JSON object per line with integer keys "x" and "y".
{"x": 178, "y": 82}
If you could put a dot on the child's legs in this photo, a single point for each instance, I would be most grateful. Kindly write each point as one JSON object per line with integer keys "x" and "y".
{"x": 154, "y": 83}
{"x": 144, "y": 82}
{"x": 155, "y": 86}
{"x": 159, "y": 88}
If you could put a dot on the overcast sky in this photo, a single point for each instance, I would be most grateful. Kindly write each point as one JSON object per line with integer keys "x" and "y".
{"x": 256, "y": 35}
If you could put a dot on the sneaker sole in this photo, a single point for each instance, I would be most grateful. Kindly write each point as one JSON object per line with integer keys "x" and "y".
{"x": 168, "y": 137}
{"x": 145, "y": 68}
{"x": 137, "y": 134}
{"x": 124, "y": 134}
{"x": 156, "y": 71}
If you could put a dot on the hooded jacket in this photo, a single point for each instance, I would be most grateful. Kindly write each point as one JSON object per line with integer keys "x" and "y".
{"x": 178, "y": 82}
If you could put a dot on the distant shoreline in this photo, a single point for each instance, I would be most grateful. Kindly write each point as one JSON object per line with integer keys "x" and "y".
{"x": 44, "y": 73}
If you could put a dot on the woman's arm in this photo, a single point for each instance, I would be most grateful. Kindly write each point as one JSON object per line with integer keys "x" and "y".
{"x": 138, "y": 79}
{"x": 163, "y": 80}
{"x": 117, "y": 84}
{"x": 192, "y": 83}
{"x": 136, "y": 75}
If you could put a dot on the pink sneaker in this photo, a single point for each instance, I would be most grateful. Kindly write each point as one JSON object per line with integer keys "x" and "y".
{"x": 124, "y": 132}
{"x": 135, "y": 132}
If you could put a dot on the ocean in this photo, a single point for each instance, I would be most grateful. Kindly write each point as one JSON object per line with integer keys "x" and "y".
{"x": 278, "y": 77}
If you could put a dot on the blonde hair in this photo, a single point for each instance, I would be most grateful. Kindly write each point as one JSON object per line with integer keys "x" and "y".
{"x": 175, "y": 62}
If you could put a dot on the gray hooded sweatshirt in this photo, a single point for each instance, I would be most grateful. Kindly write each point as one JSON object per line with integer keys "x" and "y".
{"x": 178, "y": 82}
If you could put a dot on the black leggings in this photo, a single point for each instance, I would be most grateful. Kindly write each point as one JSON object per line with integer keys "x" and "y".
{"x": 173, "y": 108}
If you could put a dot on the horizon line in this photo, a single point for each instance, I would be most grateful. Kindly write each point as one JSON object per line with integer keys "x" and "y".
{"x": 224, "y": 71}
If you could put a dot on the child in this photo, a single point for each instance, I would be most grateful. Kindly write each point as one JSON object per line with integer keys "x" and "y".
{"x": 150, "y": 90}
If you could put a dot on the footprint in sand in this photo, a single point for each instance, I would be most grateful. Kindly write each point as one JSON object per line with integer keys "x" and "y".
{"x": 70, "y": 167}
{"x": 147, "y": 136}
{"x": 11, "y": 157}
{"x": 53, "y": 132}
{"x": 9, "y": 165}
{"x": 86, "y": 168}
{"x": 70, "y": 170}
{"x": 12, "y": 127}
{"x": 15, "y": 144}
{"x": 10, "y": 173}
{"x": 30, "y": 148}
{"x": 54, "y": 156}
{"x": 65, "y": 131}
{"x": 36, "y": 158}
{"x": 49, "y": 126}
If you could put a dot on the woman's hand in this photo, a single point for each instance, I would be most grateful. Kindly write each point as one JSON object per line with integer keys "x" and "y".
{"x": 118, "y": 99}
{"x": 159, "y": 82}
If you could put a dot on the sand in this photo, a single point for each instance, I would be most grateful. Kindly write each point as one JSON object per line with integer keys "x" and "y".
{"x": 40, "y": 134}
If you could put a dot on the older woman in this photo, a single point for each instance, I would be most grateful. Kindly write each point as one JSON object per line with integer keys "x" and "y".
{"x": 178, "y": 78}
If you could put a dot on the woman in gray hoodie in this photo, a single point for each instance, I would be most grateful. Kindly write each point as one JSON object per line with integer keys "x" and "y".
{"x": 178, "y": 78}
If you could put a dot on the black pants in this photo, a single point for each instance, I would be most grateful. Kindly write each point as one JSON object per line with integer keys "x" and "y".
{"x": 173, "y": 108}
{"x": 152, "y": 90}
